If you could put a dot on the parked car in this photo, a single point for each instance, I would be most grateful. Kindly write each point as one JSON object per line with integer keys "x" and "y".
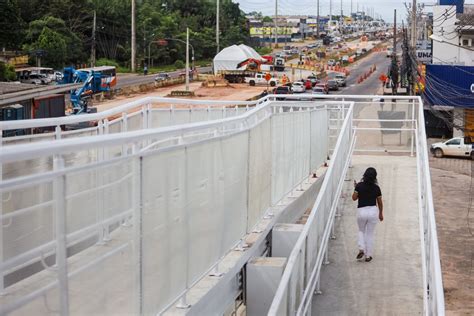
{"x": 331, "y": 62}
{"x": 307, "y": 83}
{"x": 324, "y": 86}
{"x": 33, "y": 79}
{"x": 333, "y": 85}
{"x": 319, "y": 90}
{"x": 341, "y": 80}
{"x": 45, "y": 79}
{"x": 298, "y": 87}
{"x": 58, "y": 76}
{"x": 457, "y": 146}
{"x": 162, "y": 77}
{"x": 259, "y": 78}
{"x": 389, "y": 52}
{"x": 282, "y": 90}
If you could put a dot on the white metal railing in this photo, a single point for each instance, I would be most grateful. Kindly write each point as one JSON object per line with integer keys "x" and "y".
{"x": 111, "y": 202}
{"x": 432, "y": 277}
{"x": 302, "y": 272}
{"x": 89, "y": 168}
{"x": 295, "y": 290}
{"x": 149, "y": 112}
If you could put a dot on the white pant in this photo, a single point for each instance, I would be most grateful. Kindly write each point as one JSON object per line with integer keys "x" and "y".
{"x": 367, "y": 217}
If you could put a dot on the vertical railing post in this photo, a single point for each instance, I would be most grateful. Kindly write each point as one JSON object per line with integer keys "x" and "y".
{"x": 137, "y": 204}
{"x": 149, "y": 116}
{"x": 413, "y": 127}
{"x": 59, "y": 195}
{"x": 57, "y": 132}
{"x": 123, "y": 129}
{"x": 2, "y": 285}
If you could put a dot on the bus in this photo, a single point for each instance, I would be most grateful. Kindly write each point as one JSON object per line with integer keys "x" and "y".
{"x": 109, "y": 75}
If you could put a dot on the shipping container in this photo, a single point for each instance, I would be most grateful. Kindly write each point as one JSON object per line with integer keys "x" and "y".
{"x": 46, "y": 107}
{"x": 12, "y": 113}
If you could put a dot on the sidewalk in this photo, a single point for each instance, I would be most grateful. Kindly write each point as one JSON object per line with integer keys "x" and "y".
{"x": 392, "y": 283}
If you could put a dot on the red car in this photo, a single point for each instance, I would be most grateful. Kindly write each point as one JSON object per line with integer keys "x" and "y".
{"x": 307, "y": 84}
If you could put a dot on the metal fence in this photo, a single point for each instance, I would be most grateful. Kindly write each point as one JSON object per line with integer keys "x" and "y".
{"x": 397, "y": 127}
{"x": 149, "y": 112}
{"x": 128, "y": 222}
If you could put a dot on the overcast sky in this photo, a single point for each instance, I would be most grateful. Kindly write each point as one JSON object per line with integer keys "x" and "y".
{"x": 308, "y": 7}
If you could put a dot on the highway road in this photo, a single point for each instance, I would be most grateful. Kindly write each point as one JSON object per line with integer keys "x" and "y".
{"x": 125, "y": 80}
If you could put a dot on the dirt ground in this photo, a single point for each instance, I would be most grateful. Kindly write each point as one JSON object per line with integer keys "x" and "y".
{"x": 237, "y": 92}
{"x": 453, "y": 192}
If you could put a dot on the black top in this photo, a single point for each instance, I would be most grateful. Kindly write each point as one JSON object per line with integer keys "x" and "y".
{"x": 368, "y": 194}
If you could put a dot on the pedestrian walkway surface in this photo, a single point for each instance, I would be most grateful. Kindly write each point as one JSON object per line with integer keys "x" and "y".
{"x": 392, "y": 283}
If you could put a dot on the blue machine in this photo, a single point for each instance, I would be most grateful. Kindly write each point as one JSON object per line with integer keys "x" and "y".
{"x": 92, "y": 83}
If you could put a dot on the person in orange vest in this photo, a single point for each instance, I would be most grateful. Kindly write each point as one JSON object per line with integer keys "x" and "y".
{"x": 284, "y": 79}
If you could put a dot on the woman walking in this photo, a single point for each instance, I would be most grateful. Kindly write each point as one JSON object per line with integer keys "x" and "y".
{"x": 369, "y": 210}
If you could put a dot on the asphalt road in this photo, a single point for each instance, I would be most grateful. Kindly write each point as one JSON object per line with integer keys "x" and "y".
{"x": 124, "y": 80}
{"x": 372, "y": 84}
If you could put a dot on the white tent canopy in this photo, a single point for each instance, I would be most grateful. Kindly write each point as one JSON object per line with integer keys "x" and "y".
{"x": 230, "y": 57}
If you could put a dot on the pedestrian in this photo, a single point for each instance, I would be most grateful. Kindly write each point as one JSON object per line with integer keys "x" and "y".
{"x": 145, "y": 70}
{"x": 369, "y": 210}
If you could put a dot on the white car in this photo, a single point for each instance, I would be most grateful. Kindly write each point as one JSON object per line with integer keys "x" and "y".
{"x": 298, "y": 87}
{"x": 453, "y": 147}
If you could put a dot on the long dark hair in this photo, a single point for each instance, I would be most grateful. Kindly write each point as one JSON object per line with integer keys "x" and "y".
{"x": 370, "y": 176}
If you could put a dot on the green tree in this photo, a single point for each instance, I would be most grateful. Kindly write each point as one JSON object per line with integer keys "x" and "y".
{"x": 54, "y": 44}
{"x": 74, "y": 47}
{"x": 7, "y": 72}
{"x": 267, "y": 19}
{"x": 11, "y": 24}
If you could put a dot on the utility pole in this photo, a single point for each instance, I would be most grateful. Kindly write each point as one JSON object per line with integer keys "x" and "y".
{"x": 276, "y": 23}
{"x": 217, "y": 26}
{"x": 394, "y": 66}
{"x": 413, "y": 25}
{"x": 395, "y": 32}
{"x": 341, "y": 13}
{"x": 94, "y": 26}
{"x": 330, "y": 10}
{"x": 317, "y": 20}
{"x": 133, "y": 38}
{"x": 351, "y": 8}
{"x": 187, "y": 59}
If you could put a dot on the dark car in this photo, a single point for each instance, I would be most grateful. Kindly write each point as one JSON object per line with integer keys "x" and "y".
{"x": 333, "y": 85}
{"x": 314, "y": 80}
{"x": 282, "y": 90}
{"x": 162, "y": 77}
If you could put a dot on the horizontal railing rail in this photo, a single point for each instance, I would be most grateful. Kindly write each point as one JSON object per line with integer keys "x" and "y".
{"x": 101, "y": 195}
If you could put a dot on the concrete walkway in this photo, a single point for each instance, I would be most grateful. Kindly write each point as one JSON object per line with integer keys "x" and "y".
{"x": 392, "y": 283}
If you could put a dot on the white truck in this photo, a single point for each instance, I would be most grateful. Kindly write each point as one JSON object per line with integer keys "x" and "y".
{"x": 457, "y": 146}
{"x": 259, "y": 79}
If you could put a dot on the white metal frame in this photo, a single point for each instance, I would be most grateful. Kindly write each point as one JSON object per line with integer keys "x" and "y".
{"x": 140, "y": 142}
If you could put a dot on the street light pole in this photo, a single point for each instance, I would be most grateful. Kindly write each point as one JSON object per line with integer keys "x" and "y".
{"x": 217, "y": 26}
{"x": 133, "y": 37}
{"x": 187, "y": 59}
{"x": 276, "y": 23}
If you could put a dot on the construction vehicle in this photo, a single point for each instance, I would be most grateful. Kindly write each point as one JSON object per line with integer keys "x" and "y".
{"x": 94, "y": 80}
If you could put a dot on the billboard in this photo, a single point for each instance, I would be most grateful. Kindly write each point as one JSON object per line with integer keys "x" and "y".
{"x": 449, "y": 85}
{"x": 423, "y": 55}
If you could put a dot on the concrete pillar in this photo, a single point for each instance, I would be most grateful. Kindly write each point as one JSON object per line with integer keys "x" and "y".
{"x": 284, "y": 237}
{"x": 263, "y": 277}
